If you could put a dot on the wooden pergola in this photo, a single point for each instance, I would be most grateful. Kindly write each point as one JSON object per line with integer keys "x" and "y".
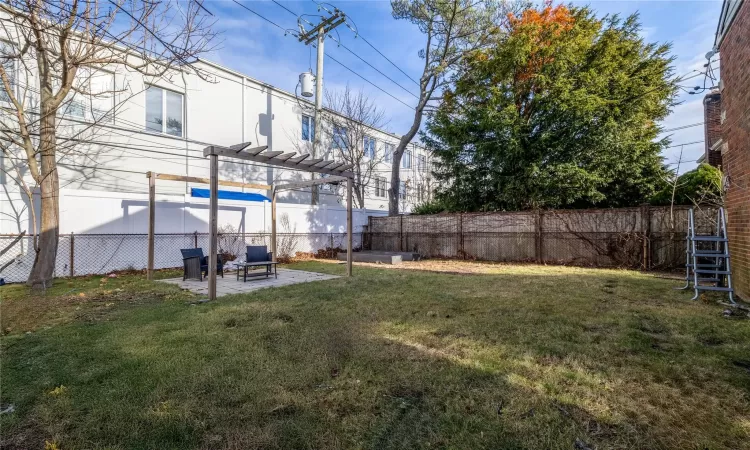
{"x": 337, "y": 172}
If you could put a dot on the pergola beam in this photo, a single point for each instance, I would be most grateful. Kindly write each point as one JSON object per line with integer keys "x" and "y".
{"x": 169, "y": 177}
{"x": 315, "y": 182}
{"x": 278, "y": 159}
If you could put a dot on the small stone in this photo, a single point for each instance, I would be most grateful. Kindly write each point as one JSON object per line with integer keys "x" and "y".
{"x": 431, "y": 314}
{"x": 580, "y": 445}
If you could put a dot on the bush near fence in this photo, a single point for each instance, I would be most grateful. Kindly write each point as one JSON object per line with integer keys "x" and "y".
{"x": 645, "y": 237}
{"x": 91, "y": 254}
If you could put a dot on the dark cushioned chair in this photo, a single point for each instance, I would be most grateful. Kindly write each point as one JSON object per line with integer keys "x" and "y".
{"x": 259, "y": 253}
{"x": 196, "y": 265}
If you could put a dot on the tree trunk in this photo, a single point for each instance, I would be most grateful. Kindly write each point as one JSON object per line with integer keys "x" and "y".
{"x": 42, "y": 273}
{"x": 399, "y": 152}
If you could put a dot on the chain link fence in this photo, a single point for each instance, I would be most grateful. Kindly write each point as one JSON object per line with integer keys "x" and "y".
{"x": 646, "y": 237}
{"x": 89, "y": 254}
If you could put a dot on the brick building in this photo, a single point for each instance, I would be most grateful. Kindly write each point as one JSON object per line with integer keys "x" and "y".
{"x": 733, "y": 44}
{"x": 712, "y": 127}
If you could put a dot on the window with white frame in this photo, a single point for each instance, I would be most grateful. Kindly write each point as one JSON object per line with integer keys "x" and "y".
{"x": 9, "y": 65}
{"x": 388, "y": 152}
{"x": 369, "y": 147}
{"x": 406, "y": 160}
{"x": 421, "y": 163}
{"x": 339, "y": 138}
{"x": 381, "y": 189}
{"x": 402, "y": 190}
{"x": 308, "y": 128}
{"x": 164, "y": 111}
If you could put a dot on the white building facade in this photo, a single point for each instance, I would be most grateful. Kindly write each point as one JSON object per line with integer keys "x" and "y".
{"x": 110, "y": 141}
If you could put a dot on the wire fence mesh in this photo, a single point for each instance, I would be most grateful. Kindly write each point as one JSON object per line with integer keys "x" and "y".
{"x": 89, "y": 254}
{"x": 646, "y": 237}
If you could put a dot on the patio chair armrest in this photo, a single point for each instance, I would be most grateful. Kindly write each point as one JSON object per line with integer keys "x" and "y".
{"x": 270, "y": 256}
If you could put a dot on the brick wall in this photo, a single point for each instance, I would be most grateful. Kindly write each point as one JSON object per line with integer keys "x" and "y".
{"x": 712, "y": 115}
{"x": 735, "y": 73}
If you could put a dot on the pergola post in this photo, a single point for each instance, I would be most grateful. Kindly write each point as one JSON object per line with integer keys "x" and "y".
{"x": 273, "y": 223}
{"x": 151, "y": 223}
{"x": 349, "y": 227}
{"x": 213, "y": 249}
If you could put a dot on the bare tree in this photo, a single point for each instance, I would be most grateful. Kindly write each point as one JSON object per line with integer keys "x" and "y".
{"x": 54, "y": 51}
{"x": 453, "y": 28}
{"x": 353, "y": 118}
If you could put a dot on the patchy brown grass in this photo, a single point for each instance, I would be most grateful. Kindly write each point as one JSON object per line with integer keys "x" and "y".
{"x": 488, "y": 356}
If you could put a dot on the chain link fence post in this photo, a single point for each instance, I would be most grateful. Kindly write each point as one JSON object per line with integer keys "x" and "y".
{"x": 72, "y": 254}
{"x": 195, "y": 239}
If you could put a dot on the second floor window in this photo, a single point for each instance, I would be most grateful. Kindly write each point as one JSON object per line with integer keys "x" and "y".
{"x": 339, "y": 139}
{"x": 308, "y": 128}
{"x": 388, "y": 152}
{"x": 369, "y": 147}
{"x": 406, "y": 160}
{"x": 164, "y": 111}
{"x": 381, "y": 189}
{"x": 421, "y": 163}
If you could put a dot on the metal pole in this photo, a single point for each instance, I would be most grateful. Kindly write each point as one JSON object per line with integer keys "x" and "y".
{"x": 349, "y": 227}
{"x": 273, "y": 224}
{"x": 318, "y": 107}
{"x": 151, "y": 223}
{"x": 213, "y": 224}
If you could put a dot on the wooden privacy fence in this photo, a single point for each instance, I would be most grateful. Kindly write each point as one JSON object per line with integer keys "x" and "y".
{"x": 645, "y": 237}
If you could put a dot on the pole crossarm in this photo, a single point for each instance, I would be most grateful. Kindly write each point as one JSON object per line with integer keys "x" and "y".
{"x": 303, "y": 184}
{"x": 280, "y": 159}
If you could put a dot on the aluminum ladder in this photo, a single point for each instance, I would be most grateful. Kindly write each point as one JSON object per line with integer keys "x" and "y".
{"x": 707, "y": 258}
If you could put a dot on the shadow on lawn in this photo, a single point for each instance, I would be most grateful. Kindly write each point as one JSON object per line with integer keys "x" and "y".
{"x": 391, "y": 360}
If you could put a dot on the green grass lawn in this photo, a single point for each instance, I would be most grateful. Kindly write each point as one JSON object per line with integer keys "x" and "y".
{"x": 518, "y": 357}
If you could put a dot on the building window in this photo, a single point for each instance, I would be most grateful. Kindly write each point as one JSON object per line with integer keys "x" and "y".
{"x": 164, "y": 111}
{"x": 72, "y": 107}
{"x": 369, "y": 146}
{"x": 381, "y": 189}
{"x": 308, "y": 128}
{"x": 406, "y": 160}
{"x": 339, "y": 138}
{"x": 421, "y": 163}
{"x": 402, "y": 190}
{"x": 9, "y": 65}
{"x": 388, "y": 152}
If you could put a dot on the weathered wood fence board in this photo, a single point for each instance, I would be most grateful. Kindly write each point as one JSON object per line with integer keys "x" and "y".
{"x": 643, "y": 237}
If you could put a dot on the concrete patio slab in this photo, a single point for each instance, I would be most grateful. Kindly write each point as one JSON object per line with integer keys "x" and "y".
{"x": 230, "y": 285}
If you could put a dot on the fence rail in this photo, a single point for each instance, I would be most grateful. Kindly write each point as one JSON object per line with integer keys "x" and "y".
{"x": 645, "y": 237}
{"x": 89, "y": 254}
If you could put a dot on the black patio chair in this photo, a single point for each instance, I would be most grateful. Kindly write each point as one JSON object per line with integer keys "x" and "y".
{"x": 196, "y": 265}
{"x": 259, "y": 253}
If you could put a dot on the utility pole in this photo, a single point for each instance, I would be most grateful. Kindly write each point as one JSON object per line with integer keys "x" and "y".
{"x": 318, "y": 33}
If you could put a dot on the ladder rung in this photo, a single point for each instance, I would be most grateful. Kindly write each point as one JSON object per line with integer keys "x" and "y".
{"x": 703, "y": 254}
{"x": 715, "y": 272}
{"x": 709, "y": 238}
{"x": 708, "y": 280}
{"x": 705, "y": 265}
{"x": 714, "y": 288}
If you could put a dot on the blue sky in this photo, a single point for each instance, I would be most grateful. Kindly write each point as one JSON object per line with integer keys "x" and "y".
{"x": 260, "y": 50}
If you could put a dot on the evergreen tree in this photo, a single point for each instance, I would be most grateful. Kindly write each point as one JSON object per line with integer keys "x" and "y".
{"x": 561, "y": 112}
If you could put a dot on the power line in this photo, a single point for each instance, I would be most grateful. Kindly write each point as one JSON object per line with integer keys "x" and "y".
{"x": 683, "y": 127}
{"x": 686, "y": 143}
{"x": 358, "y": 34}
{"x": 331, "y": 57}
